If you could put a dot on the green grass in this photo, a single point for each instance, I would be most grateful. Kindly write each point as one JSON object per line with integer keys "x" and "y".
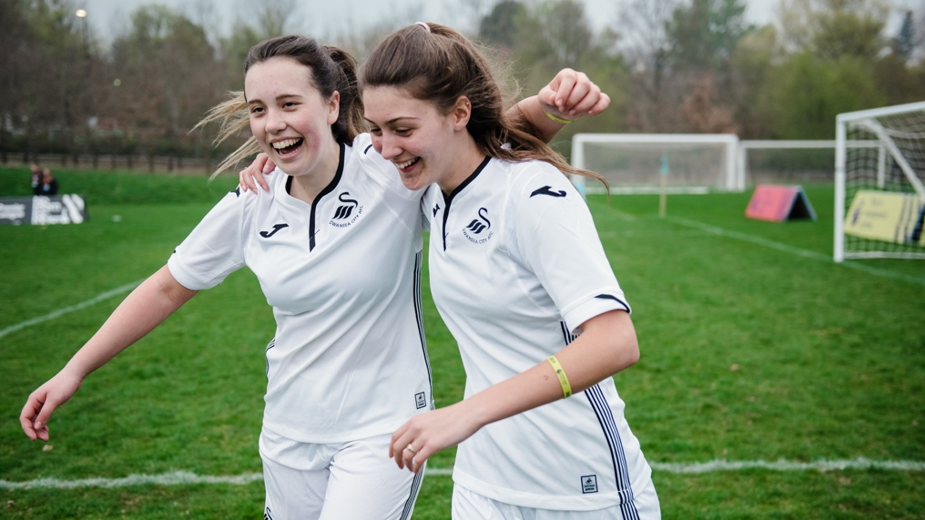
{"x": 114, "y": 187}
{"x": 749, "y": 352}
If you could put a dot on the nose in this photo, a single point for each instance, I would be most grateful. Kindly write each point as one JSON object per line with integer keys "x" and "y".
{"x": 275, "y": 122}
{"x": 388, "y": 146}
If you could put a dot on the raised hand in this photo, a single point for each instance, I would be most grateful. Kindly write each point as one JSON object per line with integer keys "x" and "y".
{"x": 571, "y": 94}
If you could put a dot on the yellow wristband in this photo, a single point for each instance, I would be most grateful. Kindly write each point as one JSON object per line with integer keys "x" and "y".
{"x": 563, "y": 379}
{"x": 558, "y": 119}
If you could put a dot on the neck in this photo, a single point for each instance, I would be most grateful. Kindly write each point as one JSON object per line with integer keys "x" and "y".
{"x": 469, "y": 158}
{"x": 308, "y": 185}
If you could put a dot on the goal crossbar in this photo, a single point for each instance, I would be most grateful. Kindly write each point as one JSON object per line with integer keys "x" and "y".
{"x": 726, "y": 177}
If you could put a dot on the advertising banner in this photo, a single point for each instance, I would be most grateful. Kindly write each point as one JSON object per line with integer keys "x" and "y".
{"x": 61, "y": 209}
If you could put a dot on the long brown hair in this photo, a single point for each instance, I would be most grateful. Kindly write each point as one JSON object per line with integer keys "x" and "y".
{"x": 435, "y": 63}
{"x": 330, "y": 69}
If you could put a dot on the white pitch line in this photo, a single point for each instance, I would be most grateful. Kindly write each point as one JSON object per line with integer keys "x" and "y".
{"x": 785, "y": 465}
{"x": 166, "y": 479}
{"x": 60, "y": 312}
{"x": 795, "y": 250}
{"x": 184, "y": 477}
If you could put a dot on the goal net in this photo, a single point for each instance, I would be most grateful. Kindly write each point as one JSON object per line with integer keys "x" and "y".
{"x": 879, "y": 193}
{"x": 786, "y": 162}
{"x": 658, "y": 163}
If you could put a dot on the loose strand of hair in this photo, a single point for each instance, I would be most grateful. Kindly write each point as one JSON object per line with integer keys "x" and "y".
{"x": 246, "y": 150}
{"x": 526, "y": 146}
{"x": 231, "y": 115}
{"x": 232, "y": 118}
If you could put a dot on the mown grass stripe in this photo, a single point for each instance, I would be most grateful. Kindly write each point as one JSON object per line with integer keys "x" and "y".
{"x": 794, "y": 250}
{"x": 185, "y": 477}
{"x": 61, "y": 312}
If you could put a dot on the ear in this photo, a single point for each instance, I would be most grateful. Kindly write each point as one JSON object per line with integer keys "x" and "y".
{"x": 462, "y": 111}
{"x": 333, "y": 107}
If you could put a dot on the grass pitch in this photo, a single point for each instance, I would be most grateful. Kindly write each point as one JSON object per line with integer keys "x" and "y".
{"x": 755, "y": 347}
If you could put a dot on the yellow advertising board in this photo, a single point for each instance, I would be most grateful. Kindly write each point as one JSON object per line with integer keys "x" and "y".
{"x": 887, "y": 216}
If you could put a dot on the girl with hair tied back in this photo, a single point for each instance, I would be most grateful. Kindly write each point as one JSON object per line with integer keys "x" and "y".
{"x": 336, "y": 246}
{"x": 519, "y": 276}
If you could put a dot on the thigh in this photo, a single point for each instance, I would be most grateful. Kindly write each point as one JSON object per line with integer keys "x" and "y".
{"x": 366, "y": 484}
{"x": 293, "y": 493}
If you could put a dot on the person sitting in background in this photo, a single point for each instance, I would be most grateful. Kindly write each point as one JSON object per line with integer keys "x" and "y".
{"x": 48, "y": 185}
{"x": 36, "y": 178}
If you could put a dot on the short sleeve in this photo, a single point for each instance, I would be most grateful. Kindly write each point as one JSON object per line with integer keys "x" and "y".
{"x": 558, "y": 241}
{"x": 215, "y": 248}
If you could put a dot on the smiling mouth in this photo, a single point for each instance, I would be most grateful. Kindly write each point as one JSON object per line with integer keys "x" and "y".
{"x": 287, "y": 146}
{"x": 407, "y": 164}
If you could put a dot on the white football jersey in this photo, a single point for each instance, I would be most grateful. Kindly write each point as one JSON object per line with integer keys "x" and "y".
{"x": 516, "y": 267}
{"x": 348, "y": 360}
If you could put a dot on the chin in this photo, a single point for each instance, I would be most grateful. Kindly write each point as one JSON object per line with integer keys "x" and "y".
{"x": 412, "y": 183}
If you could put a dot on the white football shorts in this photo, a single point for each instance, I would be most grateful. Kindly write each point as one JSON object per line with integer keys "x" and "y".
{"x": 355, "y": 480}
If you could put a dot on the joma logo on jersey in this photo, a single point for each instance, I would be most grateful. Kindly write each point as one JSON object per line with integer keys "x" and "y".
{"x": 547, "y": 190}
{"x": 342, "y": 216}
{"x": 276, "y": 227}
{"x": 478, "y": 226}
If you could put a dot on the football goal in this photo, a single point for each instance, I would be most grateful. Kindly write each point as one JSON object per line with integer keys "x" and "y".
{"x": 879, "y": 171}
{"x": 658, "y": 163}
{"x": 786, "y": 161}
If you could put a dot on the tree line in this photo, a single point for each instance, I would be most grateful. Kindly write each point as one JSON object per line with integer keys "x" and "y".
{"x": 670, "y": 66}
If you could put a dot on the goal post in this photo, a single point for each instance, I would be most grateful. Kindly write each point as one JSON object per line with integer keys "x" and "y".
{"x": 658, "y": 163}
{"x": 879, "y": 191}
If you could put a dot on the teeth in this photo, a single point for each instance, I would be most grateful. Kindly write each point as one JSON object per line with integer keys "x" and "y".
{"x": 406, "y": 164}
{"x": 279, "y": 145}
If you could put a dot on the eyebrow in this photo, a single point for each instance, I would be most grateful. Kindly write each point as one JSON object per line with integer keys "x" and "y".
{"x": 393, "y": 120}
{"x": 278, "y": 98}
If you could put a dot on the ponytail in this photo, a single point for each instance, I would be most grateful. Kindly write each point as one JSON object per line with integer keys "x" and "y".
{"x": 350, "y": 121}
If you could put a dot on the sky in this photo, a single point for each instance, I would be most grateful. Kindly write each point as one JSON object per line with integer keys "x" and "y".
{"x": 109, "y": 17}
{"x": 327, "y": 18}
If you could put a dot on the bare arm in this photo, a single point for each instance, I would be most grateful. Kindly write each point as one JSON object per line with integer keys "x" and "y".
{"x": 145, "y": 308}
{"x": 606, "y": 346}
